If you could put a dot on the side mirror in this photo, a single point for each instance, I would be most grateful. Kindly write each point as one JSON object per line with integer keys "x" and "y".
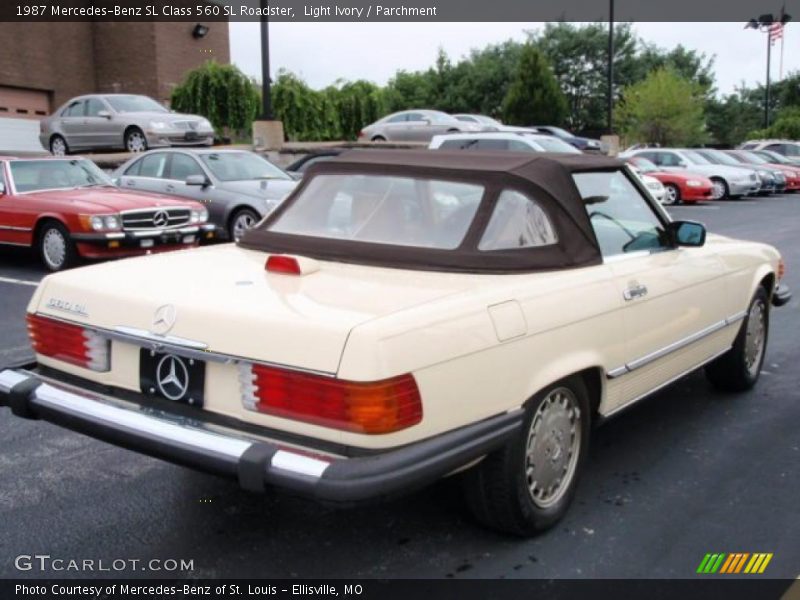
{"x": 104, "y": 114}
{"x": 200, "y": 180}
{"x": 688, "y": 233}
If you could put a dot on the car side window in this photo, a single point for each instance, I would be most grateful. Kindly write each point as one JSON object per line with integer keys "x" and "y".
{"x": 183, "y": 166}
{"x": 517, "y": 146}
{"x": 74, "y": 110}
{"x": 398, "y": 118}
{"x": 774, "y": 148}
{"x": 518, "y": 221}
{"x": 492, "y": 145}
{"x": 622, "y": 219}
{"x": 414, "y": 117}
{"x": 153, "y": 165}
{"x": 93, "y": 107}
{"x": 3, "y": 177}
{"x": 669, "y": 159}
{"x": 791, "y": 150}
{"x": 134, "y": 169}
{"x": 653, "y": 157}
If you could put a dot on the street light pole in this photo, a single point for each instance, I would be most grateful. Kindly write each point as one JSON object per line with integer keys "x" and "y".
{"x": 610, "y": 66}
{"x": 266, "y": 92}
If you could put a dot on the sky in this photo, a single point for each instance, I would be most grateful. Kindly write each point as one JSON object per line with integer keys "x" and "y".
{"x": 321, "y": 53}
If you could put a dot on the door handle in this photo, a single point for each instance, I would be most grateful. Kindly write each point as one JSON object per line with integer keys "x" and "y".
{"x": 130, "y": 183}
{"x": 170, "y": 187}
{"x": 636, "y": 291}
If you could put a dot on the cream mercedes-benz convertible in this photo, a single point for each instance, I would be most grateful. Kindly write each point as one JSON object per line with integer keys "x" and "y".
{"x": 403, "y": 316}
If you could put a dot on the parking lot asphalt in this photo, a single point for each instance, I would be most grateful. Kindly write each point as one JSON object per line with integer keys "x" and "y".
{"x": 683, "y": 473}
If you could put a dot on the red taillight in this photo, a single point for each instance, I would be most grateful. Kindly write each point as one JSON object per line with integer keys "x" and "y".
{"x": 365, "y": 407}
{"x": 277, "y": 263}
{"x": 781, "y": 269}
{"x": 69, "y": 343}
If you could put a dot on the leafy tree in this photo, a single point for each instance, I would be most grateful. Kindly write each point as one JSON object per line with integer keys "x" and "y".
{"x": 731, "y": 119}
{"x": 222, "y": 94}
{"x": 665, "y": 108}
{"x": 579, "y": 57}
{"x": 534, "y": 95}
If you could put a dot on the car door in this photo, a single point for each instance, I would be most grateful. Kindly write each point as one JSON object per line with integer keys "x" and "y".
{"x": 71, "y": 119}
{"x": 182, "y": 166}
{"x": 147, "y": 174}
{"x": 394, "y": 129}
{"x": 418, "y": 128}
{"x": 675, "y": 305}
{"x": 18, "y": 214}
{"x": 99, "y": 129}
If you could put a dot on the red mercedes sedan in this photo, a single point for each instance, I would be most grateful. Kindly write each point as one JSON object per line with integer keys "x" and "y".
{"x": 66, "y": 208}
{"x": 680, "y": 186}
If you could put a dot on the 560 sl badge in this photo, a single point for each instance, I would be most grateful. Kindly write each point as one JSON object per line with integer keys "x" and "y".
{"x": 68, "y": 307}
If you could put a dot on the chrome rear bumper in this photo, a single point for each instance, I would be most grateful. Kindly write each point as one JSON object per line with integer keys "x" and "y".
{"x": 257, "y": 463}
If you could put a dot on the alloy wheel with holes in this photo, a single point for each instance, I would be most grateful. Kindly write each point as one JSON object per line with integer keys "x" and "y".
{"x": 58, "y": 146}
{"x": 135, "y": 141}
{"x": 56, "y": 249}
{"x": 243, "y": 220}
{"x": 719, "y": 189}
{"x": 739, "y": 368}
{"x": 672, "y": 194}
{"x": 526, "y": 486}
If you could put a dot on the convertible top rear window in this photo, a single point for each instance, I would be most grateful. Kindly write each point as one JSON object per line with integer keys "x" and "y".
{"x": 403, "y": 211}
{"x": 439, "y": 210}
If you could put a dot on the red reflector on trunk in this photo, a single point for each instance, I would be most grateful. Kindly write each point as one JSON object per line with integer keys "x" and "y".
{"x": 364, "y": 407}
{"x": 278, "y": 263}
{"x": 69, "y": 343}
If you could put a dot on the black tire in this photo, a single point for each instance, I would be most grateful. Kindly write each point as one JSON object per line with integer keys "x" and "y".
{"x": 726, "y": 194}
{"x": 50, "y": 235}
{"x": 378, "y": 138}
{"x": 241, "y": 214}
{"x": 55, "y": 146}
{"x": 135, "y": 141}
{"x": 676, "y": 191}
{"x": 736, "y": 370}
{"x": 497, "y": 489}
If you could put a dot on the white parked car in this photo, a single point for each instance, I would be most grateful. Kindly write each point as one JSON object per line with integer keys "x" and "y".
{"x": 403, "y": 316}
{"x": 490, "y": 124}
{"x": 498, "y": 140}
{"x": 653, "y": 185}
{"x": 788, "y": 148}
{"x": 729, "y": 181}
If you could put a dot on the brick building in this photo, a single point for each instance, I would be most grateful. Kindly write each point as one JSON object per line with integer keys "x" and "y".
{"x": 45, "y": 64}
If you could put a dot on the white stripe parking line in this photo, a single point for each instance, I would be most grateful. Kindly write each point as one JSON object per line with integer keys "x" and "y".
{"x": 19, "y": 281}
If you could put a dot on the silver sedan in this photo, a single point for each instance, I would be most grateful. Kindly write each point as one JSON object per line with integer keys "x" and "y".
{"x": 414, "y": 126}
{"x": 120, "y": 122}
{"x": 238, "y": 187}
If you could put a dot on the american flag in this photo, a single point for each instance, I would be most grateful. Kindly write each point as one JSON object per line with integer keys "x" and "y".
{"x": 775, "y": 32}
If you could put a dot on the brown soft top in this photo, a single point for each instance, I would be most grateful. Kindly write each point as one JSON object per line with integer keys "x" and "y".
{"x": 547, "y": 177}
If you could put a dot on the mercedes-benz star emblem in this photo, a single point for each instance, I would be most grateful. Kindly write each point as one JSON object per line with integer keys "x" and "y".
{"x": 164, "y": 319}
{"x": 161, "y": 218}
{"x": 172, "y": 377}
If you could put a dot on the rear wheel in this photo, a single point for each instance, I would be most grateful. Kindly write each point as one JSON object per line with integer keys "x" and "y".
{"x": 672, "y": 194}
{"x": 739, "y": 368}
{"x": 242, "y": 220}
{"x": 55, "y": 246}
{"x": 719, "y": 189}
{"x": 58, "y": 146}
{"x": 527, "y": 486}
{"x": 378, "y": 138}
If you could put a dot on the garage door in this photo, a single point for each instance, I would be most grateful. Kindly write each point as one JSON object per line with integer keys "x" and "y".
{"x": 19, "y": 103}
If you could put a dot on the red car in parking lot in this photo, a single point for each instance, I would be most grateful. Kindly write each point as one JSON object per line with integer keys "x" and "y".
{"x": 680, "y": 187}
{"x": 68, "y": 208}
{"x": 790, "y": 171}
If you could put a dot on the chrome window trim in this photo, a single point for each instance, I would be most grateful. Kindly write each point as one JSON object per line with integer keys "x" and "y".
{"x": 642, "y": 361}
{"x": 11, "y": 228}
